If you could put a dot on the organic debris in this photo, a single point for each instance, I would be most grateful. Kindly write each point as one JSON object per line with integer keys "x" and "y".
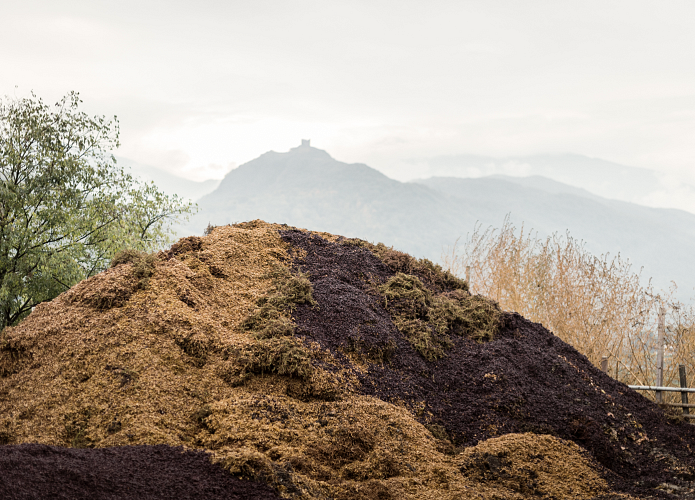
{"x": 324, "y": 368}
{"x": 125, "y": 472}
{"x": 426, "y": 319}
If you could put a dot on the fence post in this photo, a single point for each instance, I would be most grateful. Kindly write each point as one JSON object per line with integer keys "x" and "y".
{"x": 660, "y": 356}
{"x": 604, "y": 364}
{"x": 468, "y": 278}
{"x": 684, "y": 384}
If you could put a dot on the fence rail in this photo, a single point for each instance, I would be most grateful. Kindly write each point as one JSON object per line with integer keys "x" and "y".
{"x": 658, "y": 389}
{"x": 683, "y": 390}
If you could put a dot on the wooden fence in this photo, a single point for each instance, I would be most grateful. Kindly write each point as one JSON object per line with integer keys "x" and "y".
{"x": 659, "y": 390}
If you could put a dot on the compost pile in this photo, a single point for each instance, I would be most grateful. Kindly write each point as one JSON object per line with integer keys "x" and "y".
{"x": 271, "y": 361}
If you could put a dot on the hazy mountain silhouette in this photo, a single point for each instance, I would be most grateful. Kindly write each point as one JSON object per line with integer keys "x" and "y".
{"x": 544, "y": 184}
{"x": 306, "y": 187}
{"x": 600, "y": 177}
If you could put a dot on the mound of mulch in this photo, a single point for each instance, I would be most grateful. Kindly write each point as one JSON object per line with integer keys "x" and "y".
{"x": 324, "y": 368}
{"x": 525, "y": 380}
{"x": 34, "y": 471}
{"x": 114, "y": 361}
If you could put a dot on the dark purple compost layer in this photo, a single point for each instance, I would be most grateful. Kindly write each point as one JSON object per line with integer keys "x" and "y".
{"x": 525, "y": 380}
{"x": 34, "y": 471}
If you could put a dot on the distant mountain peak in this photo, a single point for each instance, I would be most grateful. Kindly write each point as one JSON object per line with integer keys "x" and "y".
{"x": 306, "y": 148}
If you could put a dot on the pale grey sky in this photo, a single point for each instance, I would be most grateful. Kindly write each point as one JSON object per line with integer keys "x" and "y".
{"x": 202, "y": 86}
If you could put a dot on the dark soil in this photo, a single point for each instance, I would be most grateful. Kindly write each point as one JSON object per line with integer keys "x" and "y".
{"x": 33, "y": 471}
{"x": 525, "y": 380}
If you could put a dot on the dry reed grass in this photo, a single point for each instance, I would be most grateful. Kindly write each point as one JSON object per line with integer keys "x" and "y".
{"x": 599, "y": 305}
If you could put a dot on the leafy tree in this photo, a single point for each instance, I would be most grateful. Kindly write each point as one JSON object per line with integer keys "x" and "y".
{"x": 66, "y": 207}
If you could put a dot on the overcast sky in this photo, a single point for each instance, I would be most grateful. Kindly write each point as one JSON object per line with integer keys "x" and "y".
{"x": 202, "y": 86}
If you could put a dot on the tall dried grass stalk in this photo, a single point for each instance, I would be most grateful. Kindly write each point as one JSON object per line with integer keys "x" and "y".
{"x": 597, "y": 304}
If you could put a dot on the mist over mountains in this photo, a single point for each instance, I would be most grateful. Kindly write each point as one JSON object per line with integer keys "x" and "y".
{"x": 600, "y": 177}
{"x": 306, "y": 187}
{"x": 169, "y": 183}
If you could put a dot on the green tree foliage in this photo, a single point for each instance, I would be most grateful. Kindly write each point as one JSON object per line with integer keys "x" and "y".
{"x": 66, "y": 207}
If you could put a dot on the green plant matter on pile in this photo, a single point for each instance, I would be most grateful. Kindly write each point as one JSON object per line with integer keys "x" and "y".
{"x": 280, "y": 356}
{"x": 272, "y": 319}
{"x": 275, "y": 351}
{"x": 400, "y": 262}
{"x": 427, "y": 318}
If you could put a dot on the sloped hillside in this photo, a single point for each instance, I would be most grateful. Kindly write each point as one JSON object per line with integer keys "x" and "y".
{"x": 309, "y": 365}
